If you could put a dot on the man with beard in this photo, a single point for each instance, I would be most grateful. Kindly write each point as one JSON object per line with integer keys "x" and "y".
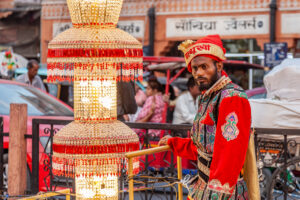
{"x": 220, "y": 137}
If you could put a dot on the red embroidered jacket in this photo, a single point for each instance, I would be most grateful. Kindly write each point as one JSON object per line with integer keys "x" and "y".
{"x": 219, "y": 141}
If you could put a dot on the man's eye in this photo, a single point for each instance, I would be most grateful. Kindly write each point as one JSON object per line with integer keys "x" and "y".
{"x": 204, "y": 67}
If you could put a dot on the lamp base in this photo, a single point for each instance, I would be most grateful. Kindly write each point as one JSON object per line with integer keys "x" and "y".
{"x": 98, "y": 149}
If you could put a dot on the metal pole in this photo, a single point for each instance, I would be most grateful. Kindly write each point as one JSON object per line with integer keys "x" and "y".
{"x": 251, "y": 61}
{"x": 1, "y": 155}
{"x": 151, "y": 15}
{"x": 166, "y": 92}
{"x": 35, "y": 157}
{"x": 172, "y": 173}
{"x": 285, "y": 167}
{"x": 179, "y": 175}
{"x": 133, "y": 154}
{"x": 250, "y": 79}
{"x": 66, "y": 192}
{"x": 50, "y": 156}
{"x": 130, "y": 176}
{"x": 121, "y": 182}
{"x": 147, "y": 162}
{"x": 273, "y": 8}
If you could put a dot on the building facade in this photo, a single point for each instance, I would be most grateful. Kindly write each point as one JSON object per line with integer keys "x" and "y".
{"x": 237, "y": 21}
{"x": 20, "y": 27}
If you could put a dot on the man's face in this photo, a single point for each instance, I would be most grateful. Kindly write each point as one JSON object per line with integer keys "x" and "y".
{"x": 33, "y": 71}
{"x": 205, "y": 71}
{"x": 195, "y": 91}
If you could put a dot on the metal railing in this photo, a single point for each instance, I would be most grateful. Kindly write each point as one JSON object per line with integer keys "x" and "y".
{"x": 284, "y": 151}
{"x": 2, "y": 134}
{"x": 132, "y": 155}
{"x": 66, "y": 192}
{"x": 146, "y": 138}
{"x": 279, "y": 151}
{"x": 47, "y": 163}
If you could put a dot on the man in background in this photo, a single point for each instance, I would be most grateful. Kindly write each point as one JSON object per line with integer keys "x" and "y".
{"x": 187, "y": 104}
{"x": 31, "y": 77}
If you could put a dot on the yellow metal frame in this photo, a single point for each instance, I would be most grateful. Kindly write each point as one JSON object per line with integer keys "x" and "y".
{"x": 66, "y": 192}
{"x": 133, "y": 154}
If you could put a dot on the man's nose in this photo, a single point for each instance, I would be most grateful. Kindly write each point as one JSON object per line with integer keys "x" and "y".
{"x": 200, "y": 71}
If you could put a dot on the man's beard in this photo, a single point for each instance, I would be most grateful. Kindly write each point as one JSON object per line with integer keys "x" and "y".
{"x": 206, "y": 86}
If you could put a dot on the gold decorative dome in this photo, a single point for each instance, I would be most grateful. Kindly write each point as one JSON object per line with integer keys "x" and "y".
{"x": 95, "y": 13}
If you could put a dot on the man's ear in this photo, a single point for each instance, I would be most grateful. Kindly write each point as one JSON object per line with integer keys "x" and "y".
{"x": 219, "y": 66}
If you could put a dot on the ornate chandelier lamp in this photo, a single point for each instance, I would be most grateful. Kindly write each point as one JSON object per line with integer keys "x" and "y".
{"x": 95, "y": 55}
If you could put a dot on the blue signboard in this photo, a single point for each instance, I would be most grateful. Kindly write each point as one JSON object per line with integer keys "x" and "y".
{"x": 275, "y": 53}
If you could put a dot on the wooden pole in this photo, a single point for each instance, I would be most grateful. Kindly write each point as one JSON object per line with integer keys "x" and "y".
{"x": 17, "y": 150}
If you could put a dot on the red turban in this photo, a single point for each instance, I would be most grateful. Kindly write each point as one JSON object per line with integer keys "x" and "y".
{"x": 210, "y": 46}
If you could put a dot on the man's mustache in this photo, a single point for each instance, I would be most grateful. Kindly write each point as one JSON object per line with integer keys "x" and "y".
{"x": 202, "y": 79}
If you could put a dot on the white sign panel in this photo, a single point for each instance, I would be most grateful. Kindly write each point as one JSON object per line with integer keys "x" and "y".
{"x": 135, "y": 28}
{"x": 28, "y": 1}
{"x": 290, "y": 23}
{"x": 60, "y": 27}
{"x": 225, "y": 25}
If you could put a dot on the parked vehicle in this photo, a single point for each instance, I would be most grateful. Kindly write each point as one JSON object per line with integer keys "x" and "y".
{"x": 41, "y": 105}
{"x": 61, "y": 90}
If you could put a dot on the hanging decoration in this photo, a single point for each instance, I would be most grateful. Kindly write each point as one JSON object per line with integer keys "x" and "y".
{"x": 94, "y": 54}
{"x": 9, "y": 63}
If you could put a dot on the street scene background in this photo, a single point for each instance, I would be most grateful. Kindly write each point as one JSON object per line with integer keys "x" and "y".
{"x": 262, "y": 42}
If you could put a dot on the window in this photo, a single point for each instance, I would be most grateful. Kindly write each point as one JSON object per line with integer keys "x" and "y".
{"x": 39, "y": 103}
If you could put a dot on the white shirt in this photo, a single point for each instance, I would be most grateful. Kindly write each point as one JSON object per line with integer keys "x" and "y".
{"x": 36, "y": 81}
{"x": 185, "y": 109}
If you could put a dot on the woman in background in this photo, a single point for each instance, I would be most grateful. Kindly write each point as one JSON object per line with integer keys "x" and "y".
{"x": 153, "y": 108}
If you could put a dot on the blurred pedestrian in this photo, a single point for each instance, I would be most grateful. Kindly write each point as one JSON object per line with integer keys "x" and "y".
{"x": 153, "y": 108}
{"x": 187, "y": 104}
{"x": 125, "y": 100}
{"x": 31, "y": 77}
{"x": 140, "y": 98}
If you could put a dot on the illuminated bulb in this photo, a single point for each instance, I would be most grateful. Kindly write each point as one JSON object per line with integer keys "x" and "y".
{"x": 106, "y": 102}
{"x": 97, "y": 187}
{"x": 101, "y": 83}
{"x": 83, "y": 185}
{"x": 83, "y": 83}
{"x": 107, "y": 83}
{"x": 111, "y": 188}
{"x": 96, "y": 84}
{"x": 108, "y": 192}
{"x": 87, "y": 193}
{"x": 85, "y": 100}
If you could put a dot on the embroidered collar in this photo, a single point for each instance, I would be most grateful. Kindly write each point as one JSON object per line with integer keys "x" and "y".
{"x": 224, "y": 80}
